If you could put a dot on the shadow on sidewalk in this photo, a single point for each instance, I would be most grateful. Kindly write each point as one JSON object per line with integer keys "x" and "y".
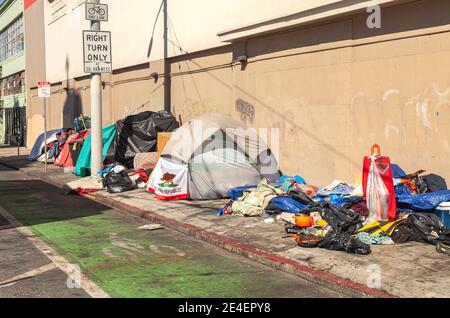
{"x": 9, "y": 157}
{"x": 34, "y": 202}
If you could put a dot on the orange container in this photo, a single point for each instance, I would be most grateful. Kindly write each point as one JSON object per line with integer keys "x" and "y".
{"x": 303, "y": 221}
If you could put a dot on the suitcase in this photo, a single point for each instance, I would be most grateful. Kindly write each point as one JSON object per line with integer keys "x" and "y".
{"x": 384, "y": 166}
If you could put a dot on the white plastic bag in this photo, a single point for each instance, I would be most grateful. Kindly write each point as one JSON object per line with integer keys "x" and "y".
{"x": 377, "y": 195}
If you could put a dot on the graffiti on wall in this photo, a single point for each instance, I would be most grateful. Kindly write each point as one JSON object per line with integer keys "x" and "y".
{"x": 417, "y": 126}
{"x": 246, "y": 110}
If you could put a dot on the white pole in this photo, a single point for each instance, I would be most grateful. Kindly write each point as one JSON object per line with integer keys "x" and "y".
{"x": 96, "y": 114}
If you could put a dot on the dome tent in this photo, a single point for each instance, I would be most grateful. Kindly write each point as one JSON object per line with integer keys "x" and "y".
{"x": 208, "y": 156}
{"x": 39, "y": 146}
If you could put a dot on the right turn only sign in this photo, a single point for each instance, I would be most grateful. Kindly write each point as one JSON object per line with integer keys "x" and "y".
{"x": 97, "y": 51}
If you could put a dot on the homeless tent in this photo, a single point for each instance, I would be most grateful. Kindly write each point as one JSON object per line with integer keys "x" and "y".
{"x": 39, "y": 146}
{"x": 209, "y": 155}
{"x": 83, "y": 165}
{"x": 138, "y": 134}
{"x": 71, "y": 149}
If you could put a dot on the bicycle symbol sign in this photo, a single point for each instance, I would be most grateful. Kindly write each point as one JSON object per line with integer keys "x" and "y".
{"x": 96, "y": 12}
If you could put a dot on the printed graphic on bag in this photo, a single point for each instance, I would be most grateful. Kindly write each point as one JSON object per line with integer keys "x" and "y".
{"x": 168, "y": 181}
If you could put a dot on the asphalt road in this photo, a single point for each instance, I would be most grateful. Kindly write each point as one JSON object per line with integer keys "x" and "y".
{"x": 113, "y": 254}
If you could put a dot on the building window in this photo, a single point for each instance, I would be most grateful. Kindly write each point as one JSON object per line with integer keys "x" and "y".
{"x": 12, "y": 85}
{"x": 11, "y": 39}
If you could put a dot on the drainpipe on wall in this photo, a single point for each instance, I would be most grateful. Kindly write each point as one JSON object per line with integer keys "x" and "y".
{"x": 167, "y": 65}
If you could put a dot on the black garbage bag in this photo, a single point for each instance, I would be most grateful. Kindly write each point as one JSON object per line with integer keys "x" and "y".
{"x": 342, "y": 220}
{"x": 404, "y": 233}
{"x": 118, "y": 182}
{"x": 301, "y": 197}
{"x": 435, "y": 183}
{"x": 344, "y": 242}
{"x": 429, "y": 227}
{"x": 138, "y": 134}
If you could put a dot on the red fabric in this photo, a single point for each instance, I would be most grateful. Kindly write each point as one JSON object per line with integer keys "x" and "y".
{"x": 173, "y": 198}
{"x": 384, "y": 166}
{"x": 65, "y": 158}
{"x": 142, "y": 175}
{"x": 82, "y": 191}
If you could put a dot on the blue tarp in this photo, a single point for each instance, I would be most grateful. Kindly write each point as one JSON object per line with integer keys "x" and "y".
{"x": 238, "y": 192}
{"x": 397, "y": 172}
{"x": 297, "y": 179}
{"x": 423, "y": 202}
{"x": 402, "y": 190}
{"x": 39, "y": 145}
{"x": 288, "y": 204}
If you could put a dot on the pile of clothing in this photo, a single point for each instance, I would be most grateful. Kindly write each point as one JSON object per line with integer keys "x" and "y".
{"x": 115, "y": 178}
{"x": 336, "y": 217}
{"x": 329, "y": 227}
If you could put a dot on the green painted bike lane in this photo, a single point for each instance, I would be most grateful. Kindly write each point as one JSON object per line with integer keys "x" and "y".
{"x": 127, "y": 262}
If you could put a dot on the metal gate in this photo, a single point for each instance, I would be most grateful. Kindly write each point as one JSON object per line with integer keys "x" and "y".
{"x": 15, "y": 126}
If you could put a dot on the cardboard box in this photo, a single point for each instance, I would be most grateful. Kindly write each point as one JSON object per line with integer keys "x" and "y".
{"x": 162, "y": 140}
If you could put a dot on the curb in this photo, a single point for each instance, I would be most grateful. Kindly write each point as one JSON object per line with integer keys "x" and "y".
{"x": 273, "y": 260}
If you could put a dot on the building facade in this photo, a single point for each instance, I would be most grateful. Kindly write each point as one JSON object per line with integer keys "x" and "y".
{"x": 332, "y": 78}
{"x": 12, "y": 72}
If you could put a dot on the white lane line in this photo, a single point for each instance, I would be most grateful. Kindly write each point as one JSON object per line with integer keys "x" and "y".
{"x": 87, "y": 285}
{"x": 29, "y": 274}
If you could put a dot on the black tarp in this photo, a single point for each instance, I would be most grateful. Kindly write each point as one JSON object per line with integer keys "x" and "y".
{"x": 138, "y": 134}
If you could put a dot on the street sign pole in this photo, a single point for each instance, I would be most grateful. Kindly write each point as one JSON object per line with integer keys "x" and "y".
{"x": 45, "y": 134}
{"x": 96, "y": 113}
{"x": 44, "y": 91}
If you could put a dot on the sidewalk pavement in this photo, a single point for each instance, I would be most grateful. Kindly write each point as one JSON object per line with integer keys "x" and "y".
{"x": 408, "y": 270}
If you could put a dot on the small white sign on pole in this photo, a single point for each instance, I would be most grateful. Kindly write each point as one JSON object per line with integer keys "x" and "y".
{"x": 44, "y": 90}
{"x": 97, "y": 52}
{"x": 96, "y": 12}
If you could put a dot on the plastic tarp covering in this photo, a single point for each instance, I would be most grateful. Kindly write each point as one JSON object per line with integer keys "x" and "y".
{"x": 138, "y": 134}
{"x": 38, "y": 148}
{"x": 236, "y": 193}
{"x": 83, "y": 165}
{"x": 397, "y": 171}
{"x": 423, "y": 202}
{"x": 288, "y": 204}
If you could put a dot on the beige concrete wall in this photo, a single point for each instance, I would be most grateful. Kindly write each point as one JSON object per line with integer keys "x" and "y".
{"x": 193, "y": 26}
{"x": 126, "y": 92}
{"x": 35, "y": 67}
{"x": 337, "y": 88}
{"x": 333, "y": 89}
